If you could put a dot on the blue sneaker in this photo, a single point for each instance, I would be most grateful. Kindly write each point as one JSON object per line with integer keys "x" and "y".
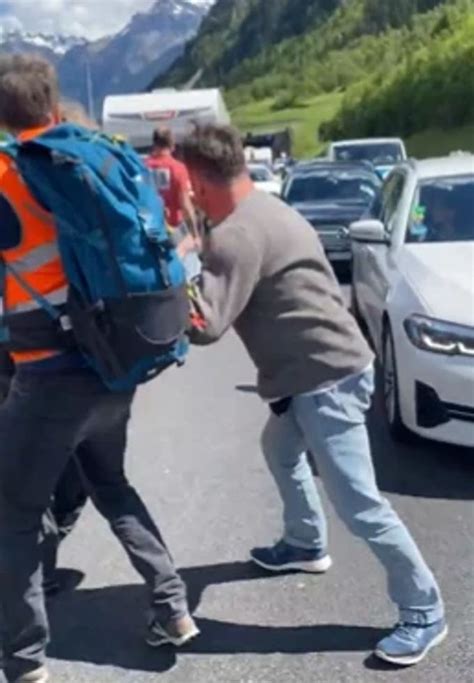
{"x": 410, "y": 643}
{"x": 283, "y": 557}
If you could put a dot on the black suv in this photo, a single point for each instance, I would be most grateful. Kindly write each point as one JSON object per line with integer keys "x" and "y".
{"x": 331, "y": 196}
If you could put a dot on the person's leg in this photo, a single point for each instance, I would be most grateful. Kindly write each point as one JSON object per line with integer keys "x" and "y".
{"x": 304, "y": 544}
{"x": 39, "y": 424}
{"x": 70, "y": 497}
{"x": 101, "y": 457}
{"x": 334, "y": 425}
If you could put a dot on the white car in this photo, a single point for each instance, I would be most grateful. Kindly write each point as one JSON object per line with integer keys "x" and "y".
{"x": 413, "y": 287}
{"x": 383, "y": 153}
{"x": 264, "y": 179}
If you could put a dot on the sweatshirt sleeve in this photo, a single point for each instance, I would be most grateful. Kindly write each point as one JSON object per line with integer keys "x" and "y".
{"x": 231, "y": 271}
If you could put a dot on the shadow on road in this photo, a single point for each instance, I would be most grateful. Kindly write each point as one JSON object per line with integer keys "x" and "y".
{"x": 103, "y": 626}
{"x": 425, "y": 469}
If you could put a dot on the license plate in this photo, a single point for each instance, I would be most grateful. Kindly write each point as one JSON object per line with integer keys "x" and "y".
{"x": 339, "y": 255}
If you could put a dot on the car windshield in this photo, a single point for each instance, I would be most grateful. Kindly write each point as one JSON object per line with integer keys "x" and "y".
{"x": 443, "y": 211}
{"x": 377, "y": 153}
{"x": 260, "y": 174}
{"x": 333, "y": 186}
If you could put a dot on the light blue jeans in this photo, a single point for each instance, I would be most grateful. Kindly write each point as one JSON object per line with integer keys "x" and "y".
{"x": 332, "y": 425}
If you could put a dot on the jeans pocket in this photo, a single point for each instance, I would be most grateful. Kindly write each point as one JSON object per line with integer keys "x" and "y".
{"x": 349, "y": 401}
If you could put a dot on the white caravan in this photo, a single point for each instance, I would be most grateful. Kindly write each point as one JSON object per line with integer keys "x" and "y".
{"x": 136, "y": 116}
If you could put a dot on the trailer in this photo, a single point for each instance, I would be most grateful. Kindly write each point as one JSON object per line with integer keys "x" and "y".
{"x": 137, "y": 116}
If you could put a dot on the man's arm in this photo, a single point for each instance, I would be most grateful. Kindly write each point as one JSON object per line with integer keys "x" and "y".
{"x": 187, "y": 207}
{"x": 185, "y": 201}
{"x": 230, "y": 274}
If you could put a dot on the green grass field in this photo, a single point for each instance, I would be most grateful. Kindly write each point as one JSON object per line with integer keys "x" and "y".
{"x": 306, "y": 118}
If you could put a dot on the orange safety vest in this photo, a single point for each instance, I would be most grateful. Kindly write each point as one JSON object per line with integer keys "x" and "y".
{"x": 36, "y": 259}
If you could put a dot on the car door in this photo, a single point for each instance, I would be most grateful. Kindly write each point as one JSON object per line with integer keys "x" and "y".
{"x": 378, "y": 263}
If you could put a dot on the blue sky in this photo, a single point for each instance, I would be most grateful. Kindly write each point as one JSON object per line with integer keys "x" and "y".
{"x": 90, "y": 18}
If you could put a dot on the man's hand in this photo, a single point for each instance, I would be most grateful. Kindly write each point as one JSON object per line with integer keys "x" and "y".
{"x": 187, "y": 245}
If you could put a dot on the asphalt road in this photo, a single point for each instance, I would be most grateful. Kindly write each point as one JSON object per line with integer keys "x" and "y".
{"x": 194, "y": 455}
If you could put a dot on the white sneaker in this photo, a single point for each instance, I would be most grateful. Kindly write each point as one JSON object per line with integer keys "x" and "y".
{"x": 37, "y": 676}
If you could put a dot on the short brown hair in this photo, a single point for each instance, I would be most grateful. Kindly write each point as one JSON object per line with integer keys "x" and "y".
{"x": 163, "y": 138}
{"x": 29, "y": 91}
{"x": 216, "y": 151}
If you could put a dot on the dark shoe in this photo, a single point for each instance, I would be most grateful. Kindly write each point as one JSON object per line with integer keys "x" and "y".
{"x": 176, "y": 632}
{"x": 283, "y": 557}
{"x": 62, "y": 581}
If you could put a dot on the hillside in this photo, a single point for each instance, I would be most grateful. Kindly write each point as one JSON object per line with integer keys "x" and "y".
{"x": 434, "y": 87}
{"x": 353, "y": 67}
{"x": 235, "y": 30}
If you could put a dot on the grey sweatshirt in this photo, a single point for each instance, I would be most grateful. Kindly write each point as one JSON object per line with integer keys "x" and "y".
{"x": 266, "y": 273}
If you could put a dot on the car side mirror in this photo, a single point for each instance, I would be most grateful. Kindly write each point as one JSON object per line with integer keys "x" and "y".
{"x": 369, "y": 231}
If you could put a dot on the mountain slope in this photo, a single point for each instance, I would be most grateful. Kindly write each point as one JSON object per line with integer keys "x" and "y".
{"x": 122, "y": 63}
{"x": 417, "y": 77}
{"x": 433, "y": 88}
{"x": 53, "y": 47}
{"x": 240, "y": 29}
{"x": 128, "y": 61}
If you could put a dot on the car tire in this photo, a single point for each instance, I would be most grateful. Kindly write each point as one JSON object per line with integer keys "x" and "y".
{"x": 390, "y": 390}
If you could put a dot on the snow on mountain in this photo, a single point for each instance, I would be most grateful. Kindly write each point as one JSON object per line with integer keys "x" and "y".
{"x": 15, "y": 41}
{"x": 125, "y": 62}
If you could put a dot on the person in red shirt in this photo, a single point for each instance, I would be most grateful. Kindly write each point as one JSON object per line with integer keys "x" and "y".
{"x": 172, "y": 181}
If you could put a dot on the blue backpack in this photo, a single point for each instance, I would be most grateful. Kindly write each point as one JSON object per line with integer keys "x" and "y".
{"x": 127, "y": 304}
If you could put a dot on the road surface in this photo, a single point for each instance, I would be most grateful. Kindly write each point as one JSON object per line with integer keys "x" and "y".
{"x": 194, "y": 455}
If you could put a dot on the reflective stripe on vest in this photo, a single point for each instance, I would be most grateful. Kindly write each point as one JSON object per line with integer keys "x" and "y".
{"x": 57, "y": 298}
{"x": 36, "y": 257}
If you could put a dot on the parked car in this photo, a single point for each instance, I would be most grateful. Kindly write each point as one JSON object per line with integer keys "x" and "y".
{"x": 331, "y": 196}
{"x": 384, "y": 153}
{"x": 264, "y": 179}
{"x": 413, "y": 287}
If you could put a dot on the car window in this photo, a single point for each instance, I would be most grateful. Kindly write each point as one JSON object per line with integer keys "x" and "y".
{"x": 442, "y": 211}
{"x": 378, "y": 153}
{"x": 333, "y": 186}
{"x": 387, "y": 203}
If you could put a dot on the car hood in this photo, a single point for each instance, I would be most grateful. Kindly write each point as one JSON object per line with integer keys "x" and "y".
{"x": 319, "y": 212}
{"x": 442, "y": 276}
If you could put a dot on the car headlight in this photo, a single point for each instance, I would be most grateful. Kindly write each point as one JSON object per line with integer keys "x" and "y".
{"x": 438, "y": 336}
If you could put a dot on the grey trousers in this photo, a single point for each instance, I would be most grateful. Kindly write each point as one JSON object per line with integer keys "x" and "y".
{"x": 47, "y": 419}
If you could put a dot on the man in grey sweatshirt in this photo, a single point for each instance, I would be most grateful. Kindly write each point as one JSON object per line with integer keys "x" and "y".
{"x": 265, "y": 274}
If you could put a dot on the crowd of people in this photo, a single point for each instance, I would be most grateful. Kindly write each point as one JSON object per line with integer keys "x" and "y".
{"x": 63, "y": 433}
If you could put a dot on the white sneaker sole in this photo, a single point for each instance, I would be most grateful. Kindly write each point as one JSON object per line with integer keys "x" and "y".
{"x": 411, "y": 660}
{"x": 166, "y": 639}
{"x": 312, "y": 567}
{"x": 35, "y": 677}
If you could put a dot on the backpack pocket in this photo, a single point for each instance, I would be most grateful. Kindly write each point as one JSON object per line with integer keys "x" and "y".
{"x": 128, "y": 341}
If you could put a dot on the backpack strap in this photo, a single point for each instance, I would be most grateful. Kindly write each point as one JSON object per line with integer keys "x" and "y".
{"x": 51, "y": 310}
{"x": 4, "y": 331}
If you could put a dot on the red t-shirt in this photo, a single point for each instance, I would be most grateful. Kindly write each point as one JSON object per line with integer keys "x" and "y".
{"x": 172, "y": 179}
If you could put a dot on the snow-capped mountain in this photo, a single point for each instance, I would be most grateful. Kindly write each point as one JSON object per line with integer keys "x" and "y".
{"x": 125, "y": 62}
{"x": 52, "y": 46}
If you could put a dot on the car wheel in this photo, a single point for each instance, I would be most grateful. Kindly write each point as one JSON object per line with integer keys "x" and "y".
{"x": 390, "y": 390}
